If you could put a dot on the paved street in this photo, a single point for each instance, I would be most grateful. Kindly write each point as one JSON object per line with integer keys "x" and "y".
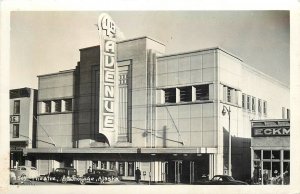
{"x": 77, "y": 183}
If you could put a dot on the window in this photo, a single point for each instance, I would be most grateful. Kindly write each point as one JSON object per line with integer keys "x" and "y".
{"x": 202, "y": 92}
{"x": 16, "y": 131}
{"x": 103, "y": 165}
{"x": 283, "y": 112}
{"x": 229, "y": 95}
{"x": 68, "y": 104}
{"x": 186, "y": 94}
{"x": 243, "y": 101}
{"x": 286, "y": 154}
{"x": 121, "y": 168}
{"x": 288, "y": 113}
{"x": 47, "y": 105}
{"x": 57, "y": 105}
{"x": 112, "y": 165}
{"x": 130, "y": 169}
{"x": 265, "y": 107}
{"x": 253, "y": 104}
{"x": 170, "y": 95}
{"x": 248, "y": 102}
{"x": 17, "y": 107}
{"x": 259, "y": 105}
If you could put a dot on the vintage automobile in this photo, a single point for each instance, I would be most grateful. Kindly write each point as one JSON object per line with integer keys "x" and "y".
{"x": 26, "y": 172}
{"x": 222, "y": 180}
{"x": 99, "y": 176}
{"x": 62, "y": 175}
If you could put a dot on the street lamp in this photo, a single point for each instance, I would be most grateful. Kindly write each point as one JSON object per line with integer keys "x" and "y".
{"x": 224, "y": 111}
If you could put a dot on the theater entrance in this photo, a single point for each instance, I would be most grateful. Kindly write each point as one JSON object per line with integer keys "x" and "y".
{"x": 187, "y": 171}
{"x": 179, "y": 171}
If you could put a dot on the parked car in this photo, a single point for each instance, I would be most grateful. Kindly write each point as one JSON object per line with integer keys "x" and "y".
{"x": 222, "y": 180}
{"x": 99, "y": 176}
{"x": 26, "y": 172}
{"x": 62, "y": 175}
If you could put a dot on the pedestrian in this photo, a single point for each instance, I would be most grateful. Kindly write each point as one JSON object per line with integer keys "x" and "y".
{"x": 90, "y": 170}
{"x": 137, "y": 175}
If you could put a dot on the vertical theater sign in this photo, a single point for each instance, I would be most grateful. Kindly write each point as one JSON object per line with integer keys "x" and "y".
{"x": 108, "y": 78}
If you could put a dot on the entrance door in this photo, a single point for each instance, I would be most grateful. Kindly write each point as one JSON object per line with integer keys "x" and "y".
{"x": 178, "y": 171}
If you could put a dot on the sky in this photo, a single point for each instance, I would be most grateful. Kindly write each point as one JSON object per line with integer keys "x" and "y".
{"x": 48, "y": 42}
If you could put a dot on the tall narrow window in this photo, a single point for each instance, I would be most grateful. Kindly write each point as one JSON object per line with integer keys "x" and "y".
{"x": 202, "y": 92}
{"x": 265, "y": 107}
{"x": 121, "y": 168}
{"x": 259, "y": 105}
{"x": 16, "y": 131}
{"x": 243, "y": 101}
{"x": 68, "y": 104}
{"x": 248, "y": 102}
{"x": 130, "y": 169}
{"x": 170, "y": 95}
{"x": 186, "y": 94}
{"x": 47, "y": 105}
{"x": 253, "y": 104}
{"x": 17, "y": 107}
{"x": 57, "y": 105}
{"x": 103, "y": 164}
{"x": 229, "y": 95}
{"x": 288, "y": 113}
{"x": 112, "y": 165}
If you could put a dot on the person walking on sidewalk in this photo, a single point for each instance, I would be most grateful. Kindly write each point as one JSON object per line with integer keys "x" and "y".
{"x": 137, "y": 175}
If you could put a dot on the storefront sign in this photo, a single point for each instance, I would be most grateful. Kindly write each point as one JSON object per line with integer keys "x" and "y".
{"x": 108, "y": 76}
{"x": 14, "y": 118}
{"x": 264, "y": 132}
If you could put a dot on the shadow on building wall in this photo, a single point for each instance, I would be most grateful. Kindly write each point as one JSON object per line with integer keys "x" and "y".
{"x": 240, "y": 156}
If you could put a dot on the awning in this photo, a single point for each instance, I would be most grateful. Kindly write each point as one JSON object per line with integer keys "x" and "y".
{"x": 56, "y": 150}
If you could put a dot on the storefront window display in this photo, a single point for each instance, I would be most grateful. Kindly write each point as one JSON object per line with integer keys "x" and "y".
{"x": 271, "y": 167}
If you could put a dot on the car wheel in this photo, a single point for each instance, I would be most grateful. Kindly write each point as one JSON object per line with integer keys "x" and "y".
{"x": 82, "y": 181}
{"x": 23, "y": 177}
{"x": 64, "y": 179}
{"x": 45, "y": 179}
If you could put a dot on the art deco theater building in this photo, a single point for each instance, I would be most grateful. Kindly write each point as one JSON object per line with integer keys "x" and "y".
{"x": 172, "y": 113}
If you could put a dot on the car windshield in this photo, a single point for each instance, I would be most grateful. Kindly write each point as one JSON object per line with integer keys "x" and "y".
{"x": 59, "y": 170}
{"x": 215, "y": 178}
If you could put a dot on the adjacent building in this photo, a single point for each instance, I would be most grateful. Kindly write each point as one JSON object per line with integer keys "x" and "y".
{"x": 22, "y": 124}
{"x": 169, "y": 113}
{"x": 270, "y": 151}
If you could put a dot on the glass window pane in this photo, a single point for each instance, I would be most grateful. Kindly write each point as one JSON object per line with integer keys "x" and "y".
{"x": 266, "y": 154}
{"x": 130, "y": 168}
{"x": 170, "y": 95}
{"x": 121, "y": 168}
{"x": 186, "y": 94}
{"x": 257, "y": 173}
{"x": 103, "y": 165}
{"x": 286, "y": 173}
{"x": 112, "y": 165}
{"x": 266, "y": 172}
{"x": 275, "y": 169}
{"x": 257, "y": 154}
{"x": 15, "y": 131}
{"x": 276, "y": 154}
{"x": 57, "y": 105}
{"x": 286, "y": 154}
{"x": 47, "y": 105}
{"x": 202, "y": 92}
{"x": 17, "y": 107}
{"x": 68, "y": 105}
